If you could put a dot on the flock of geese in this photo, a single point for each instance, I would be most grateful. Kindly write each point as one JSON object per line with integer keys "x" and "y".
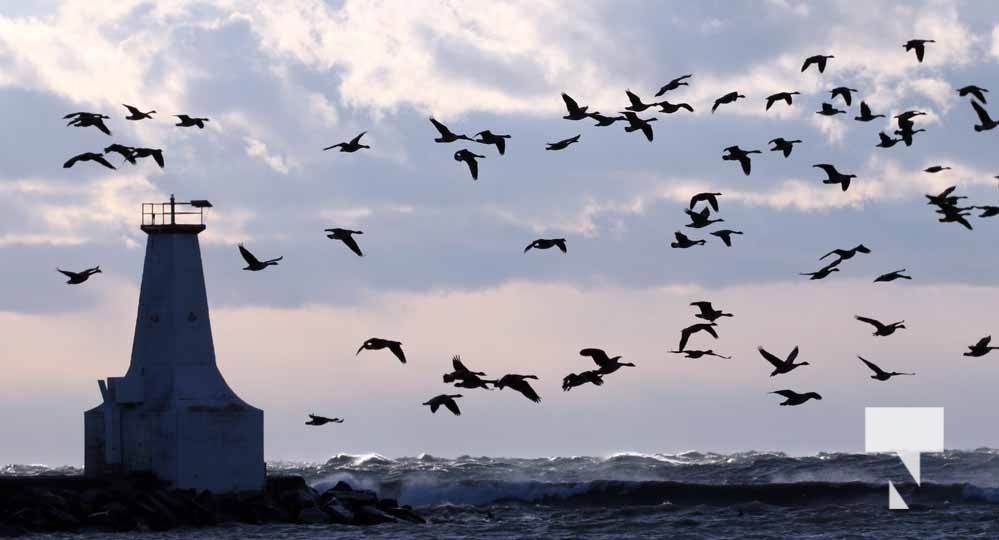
{"x": 947, "y": 205}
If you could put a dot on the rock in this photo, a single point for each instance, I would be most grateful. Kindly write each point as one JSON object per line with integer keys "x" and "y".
{"x": 313, "y": 515}
{"x": 341, "y": 486}
{"x": 339, "y": 513}
{"x": 355, "y": 498}
{"x": 370, "y": 515}
{"x": 12, "y": 532}
{"x": 406, "y": 514}
{"x": 386, "y": 504}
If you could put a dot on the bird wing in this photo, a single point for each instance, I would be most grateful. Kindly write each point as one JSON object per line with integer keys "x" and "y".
{"x": 865, "y": 111}
{"x": 874, "y": 368}
{"x": 983, "y": 115}
{"x": 247, "y": 256}
{"x": 473, "y": 166}
{"x": 570, "y": 104}
{"x": 647, "y": 130}
{"x": 793, "y": 356}
{"x": 131, "y": 109}
{"x": 920, "y": 51}
{"x": 684, "y": 337}
{"x": 709, "y": 329}
{"x": 396, "y": 349}
{"x": 786, "y": 393}
{"x": 525, "y": 388}
{"x": 441, "y": 128}
{"x": 70, "y": 162}
{"x": 434, "y": 405}
{"x": 452, "y": 406}
{"x": 560, "y": 242}
{"x": 158, "y": 157}
{"x": 724, "y": 235}
{"x": 102, "y": 161}
{"x": 599, "y": 356}
{"x": 500, "y": 143}
{"x": 877, "y": 324}
{"x": 99, "y": 124}
{"x": 357, "y": 139}
{"x": 66, "y": 273}
{"x": 352, "y": 244}
{"x": 808, "y": 61}
{"x": 458, "y": 366}
{"x": 829, "y": 169}
{"x": 982, "y": 343}
{"x": 635, "y": 100}
{"x": 746, "y": 164}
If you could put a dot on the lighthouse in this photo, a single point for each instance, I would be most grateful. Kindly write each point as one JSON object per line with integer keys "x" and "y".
{"x": 172, "y": 413}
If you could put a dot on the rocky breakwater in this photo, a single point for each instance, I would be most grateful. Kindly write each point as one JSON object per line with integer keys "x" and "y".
{"x": 71, "y": 503}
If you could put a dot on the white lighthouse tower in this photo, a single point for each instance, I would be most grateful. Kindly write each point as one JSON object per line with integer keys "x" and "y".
{"x": 173, "y": 414}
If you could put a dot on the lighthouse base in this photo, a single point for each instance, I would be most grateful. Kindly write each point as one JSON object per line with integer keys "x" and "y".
{"x": 218, "y": 448}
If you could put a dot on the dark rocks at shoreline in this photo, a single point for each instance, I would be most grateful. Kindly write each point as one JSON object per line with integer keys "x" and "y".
{"x": 69, "y": 504}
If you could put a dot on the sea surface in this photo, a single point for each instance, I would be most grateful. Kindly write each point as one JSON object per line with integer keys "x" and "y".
{"x": 678, "y": 496}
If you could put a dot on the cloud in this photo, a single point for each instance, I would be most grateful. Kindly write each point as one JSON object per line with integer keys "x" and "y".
{"x": 258, "y": 149}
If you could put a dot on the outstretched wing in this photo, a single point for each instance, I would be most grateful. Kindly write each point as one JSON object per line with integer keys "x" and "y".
{"x": 874, "y": 368}
{"x": 452, "y": 406}
{"x": 352, "y": 244}
{"x": 396, "y": 349}
{"x": 247, "y": 256}
{"x": 875, "y": 323}
{"x": 570, "y": 104}
{"x": 786, "y": 393}
{"x": 441, "y": 128}
{"x": 983, "y": 115}
{"x": 357, "y": 139}
{"x": 599, "y": 356}
{"x": 526, "y": 389}
{"x": 776, "y": 362}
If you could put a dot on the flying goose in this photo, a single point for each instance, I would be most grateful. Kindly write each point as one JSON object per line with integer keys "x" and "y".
{"x": 88, "y": 156}
{"x": 253, "y": 264}
{"x": 793, "y": 398}
{"x": 447, "y": 400}
{"x": 674, "y": 84}
{"x": 834, "y": 176}
{"x": 347, "y": 237}
{"x": 563, "y": 144}
{"x": 918, "y": 45}
{"x": 377, "y": 344}
{"x": 734, "y": 153}
{"x": 75, "y": 278}
{"x": 881, "y": 329}
{"x": 352, "y": 146}
{"x": 446, "y": 136}
{"x": 699, "y": 220}
{"x": 981, "y": 348}
{"x": 710, "y": 198}
{"x": 725, "y": 235}
{"x": 819, "y": 61}
{"x": 470, "y": 159}
{"x": 695, "y": 354}
{"x": 880, "y": 374}
{"x": 606, "y": 363}
{"x": 187, "y": 121}
{"x": 520, "y": 384}
{"x": 575, "y": 112}
{"x": 730, "y": 97}
{"x": 708, "y": 312}
{"x": 682, "y": 242}
{"x": 547, "y": 243}
{"x": 783, "y": 145}
{"x": 976, "y": 92}
{"x": 488, "y": 137}
{"x": 782, "y": 366}
{"x": 135, "y": 114}
{"x": 693, "y": 329}
{"x": 843, "y": 92}
{"x": 573, "y": 380}
{"x": 780, "y": 96}
{"x": 322, "y": 420}
{"x": 865, "y": 113}
{"x": 891, "y": 276}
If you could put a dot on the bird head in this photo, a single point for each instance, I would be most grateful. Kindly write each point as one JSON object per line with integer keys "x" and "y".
{"x": 97, "y": 270}
{"x": 804, "y": 364}
{"x": 364, "y": 345}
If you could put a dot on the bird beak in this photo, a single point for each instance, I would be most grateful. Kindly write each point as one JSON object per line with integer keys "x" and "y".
{"x": 359, "y": 350}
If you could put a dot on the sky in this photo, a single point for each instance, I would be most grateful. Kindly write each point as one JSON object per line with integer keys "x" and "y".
{"x": 444, "y": 270}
